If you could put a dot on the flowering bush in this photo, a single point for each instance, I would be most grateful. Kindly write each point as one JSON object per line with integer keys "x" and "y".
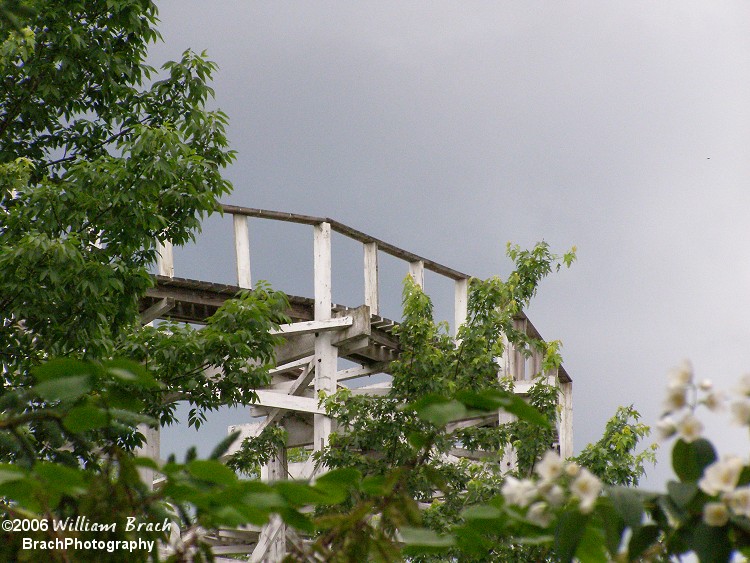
{"x": 706, "y": 510}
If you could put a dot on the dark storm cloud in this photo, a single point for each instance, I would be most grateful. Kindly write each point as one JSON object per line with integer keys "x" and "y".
{"x": 450, "y": 128}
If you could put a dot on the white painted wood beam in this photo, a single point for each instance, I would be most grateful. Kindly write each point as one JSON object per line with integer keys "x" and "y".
{"x": 565, "y": 433}
{"x": 151, "y": 448}
{"x": 325, "y": 353}
{"x": 307, "y": 327}
{"x": 242, "y": 251}
{"x": 164, "y": 259}
{"x": 291, "y": 365}
{"x": 460, "y": 304}
{"x": 287, "y": 402}
{"x": 416, "y": 271}
{"x": 372, "y": 299}
{"x": 360, "y": 371}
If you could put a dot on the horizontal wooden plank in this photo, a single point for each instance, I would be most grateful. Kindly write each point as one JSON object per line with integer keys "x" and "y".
{"x": 307, "y": 327}
{"x": 287, "y": 402}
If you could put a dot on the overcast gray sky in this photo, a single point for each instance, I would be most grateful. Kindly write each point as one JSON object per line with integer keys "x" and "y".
{"x": 451, "y": 128}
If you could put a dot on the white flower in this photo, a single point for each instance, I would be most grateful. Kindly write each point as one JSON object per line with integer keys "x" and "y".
{"x": 744, "y": 387}
{"x": 714, "y": 401}
{"x": 739, "y": 501}
{"x": 587, "y": 488}
{"x": 572, "y": 469}
{"x": 518, "y": 492}
{"x": 741, "y": 412}
{"x": 721, "y": 476}
{"x": 690, "y": 428}
{"x": 706, "y": 385}
{"x": 681, "y": 376}
{"x": 554, "y": 494}
{"x": 549, "y": 467}
{"x": 538, "y": 514}
{"x": 666, "y": 428}
{"x": 676, "y": 399}
{"x": 715, "y": 514}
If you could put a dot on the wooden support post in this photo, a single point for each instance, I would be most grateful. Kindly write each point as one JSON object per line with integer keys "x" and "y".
{"x": 242, "y": 251}
{"x": 510, "y": 456}
{"x": 416, "y": 271}
{"x": 535, "y": 364}
{"x": 565, "y": 432}
{"x": 271, "y": 546}
{"x": 164, "y": 259}
{"x": 372, "y": 299}
{"x": 151, "y": 449}
{"x": 325, "y": 352}
{"x": 461, "y": 303}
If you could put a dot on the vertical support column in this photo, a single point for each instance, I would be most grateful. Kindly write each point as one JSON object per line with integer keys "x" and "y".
{"x": 504, "y": 361}
{"x": 242, "y": 251}
{"x": 164, "y": 259}
{"x": 416, "y": 271}
{"x": 460, "y": 304}
{"x": 372, "y": 299}
{"x": 151, "y": 448}
{"x": 535, "y": 363}
{"x": 518, "y": 360}
{"x": 510, "y": 456}
{"x": 272, "y": 543}
{"x": 325, "y": 352}
{"x": 565, "y": 432}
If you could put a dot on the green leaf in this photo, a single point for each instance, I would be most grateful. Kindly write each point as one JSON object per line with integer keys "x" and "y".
{"x": 493, "y": 399}
{"x": 439, "y": 410}
{"x": 711, "y": 543}
{"x": 145, "y": 462}
{"x": 299, "y": 493}
{"x": 10, "y": 473}
{"x": 61, "y": 478}
{"x": 424, "y": 537}
{"x": 591, "y": 548}
{"x": 223, "y": 446}
{"x": 568, "y": 533}
{"x": 70, "y": 387}
{"x": 611, "y": 523}
{"x": 682, "y": 493}
{"x": 211, "y": 471}
{"x": 643, "y": 537}
{"x": 86, "y": 417}
{"x": 481, "y": 512}
{"x": 62, "y": 368}
{"x": 297, "y": 520}
{"x": 130, "y": 372}
{"x": 690, "y": 458}
{"x": 133, "y": 418}
{"x": 628, "y": 504}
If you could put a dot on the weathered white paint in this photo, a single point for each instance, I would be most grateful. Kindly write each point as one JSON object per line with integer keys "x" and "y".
{"x": 242, "y": 251}
{"x": 306, "y": 327}
{"x": 164, "y": 259}
{"x": 416, "y": 271}
{"x": 325, "y": 352}
{"x": 372, "y": 299}
{"x": 460, "y": 304}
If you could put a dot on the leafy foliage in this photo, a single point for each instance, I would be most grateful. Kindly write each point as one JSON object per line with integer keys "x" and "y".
{"x": 612, "y": 458}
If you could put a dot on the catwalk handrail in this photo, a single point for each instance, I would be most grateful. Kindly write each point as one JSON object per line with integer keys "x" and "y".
{"x": 347, "y": 231}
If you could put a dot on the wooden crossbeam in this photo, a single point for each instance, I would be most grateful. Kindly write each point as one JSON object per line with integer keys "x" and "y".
{"x": 156, "y": 310}
{"x": 309, "y": 327}
{"x": 288, "y": 402}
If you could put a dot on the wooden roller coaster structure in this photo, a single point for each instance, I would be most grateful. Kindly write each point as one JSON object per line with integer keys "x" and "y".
{"x": 320, "y": 334}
